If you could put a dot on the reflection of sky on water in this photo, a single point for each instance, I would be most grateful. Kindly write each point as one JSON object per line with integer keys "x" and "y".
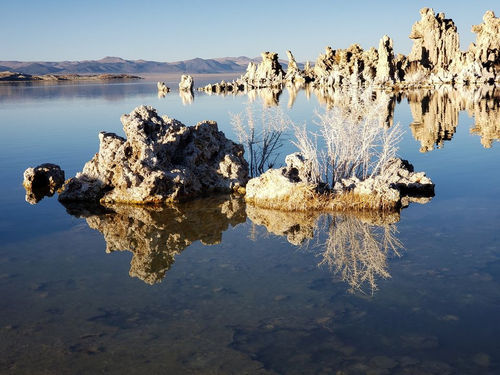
{"x": 259, "y": 306}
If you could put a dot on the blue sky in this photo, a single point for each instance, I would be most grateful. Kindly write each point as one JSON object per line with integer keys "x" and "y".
{"x": 50, "y": 30}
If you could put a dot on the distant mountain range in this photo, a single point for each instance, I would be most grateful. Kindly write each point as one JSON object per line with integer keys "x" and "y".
{"x": 117, "y": 65}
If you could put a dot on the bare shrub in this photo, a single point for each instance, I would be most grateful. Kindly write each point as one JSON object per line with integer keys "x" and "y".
{"x": 356, "y": 140}
{"x": 261, "y": 135}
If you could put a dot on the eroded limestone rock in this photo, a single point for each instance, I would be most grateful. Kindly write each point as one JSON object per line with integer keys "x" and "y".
{"x": 436, "y": 41}
{"x": 186, "y": 83}
{"x": 42, "y": 181}
{"x": 397, "y": 181}
{"x": 487, "y": 47}
{"x": 162, "y": 89}
{"x": 294, "y": 188}
{"x": 385, "y": 64}
{"x": 268, "y": 73}
{"x": 160, "y": 160}
{"x": 293, "y": 74}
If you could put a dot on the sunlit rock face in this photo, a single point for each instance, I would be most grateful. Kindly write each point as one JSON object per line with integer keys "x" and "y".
{"x": 267, "y": 73}
{"x": 385, "y": 64}
{"x": 350, "y": 66}
{"x": 436, "y": 41}
{"x": 155, "y": 235}
{"x": 487, "y": 47}
{"x": 161, "y": 160}
{"x": 162, "y": 88}
{"x": 295, "y": 188}
{"x": 293, "y": 74}
{"x": 186, "y": 83}
{"x": 42, "y": 181}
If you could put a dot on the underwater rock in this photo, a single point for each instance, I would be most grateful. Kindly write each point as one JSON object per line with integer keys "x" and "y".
{"x": 42, "y": 181}
{"x": 186, "y": 83}
{"x": 161, "y": 160}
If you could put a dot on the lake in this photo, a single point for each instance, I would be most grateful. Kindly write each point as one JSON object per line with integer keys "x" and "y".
{"x": 212, "y": 286}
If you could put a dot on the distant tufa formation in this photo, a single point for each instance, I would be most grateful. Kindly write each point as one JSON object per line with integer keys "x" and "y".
{"x": 435, "y": 59}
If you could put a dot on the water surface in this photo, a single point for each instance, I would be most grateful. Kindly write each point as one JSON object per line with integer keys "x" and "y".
{"x": 213, "y": 286}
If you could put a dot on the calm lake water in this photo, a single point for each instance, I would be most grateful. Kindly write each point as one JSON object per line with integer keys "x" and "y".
{"x": 215, "y": 287}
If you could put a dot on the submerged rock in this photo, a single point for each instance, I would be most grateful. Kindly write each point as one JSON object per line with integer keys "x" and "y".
{"x": 161, "y": 160}
{"x": 42, "y": 181}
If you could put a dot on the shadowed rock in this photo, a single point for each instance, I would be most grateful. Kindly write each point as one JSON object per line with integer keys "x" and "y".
{"x": 42, "y": 181}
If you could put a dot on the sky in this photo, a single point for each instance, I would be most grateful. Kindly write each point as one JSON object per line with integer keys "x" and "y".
{"x": 50, "y": 30}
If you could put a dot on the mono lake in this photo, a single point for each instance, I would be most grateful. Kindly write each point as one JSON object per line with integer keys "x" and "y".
{"x": 213, "y": 286}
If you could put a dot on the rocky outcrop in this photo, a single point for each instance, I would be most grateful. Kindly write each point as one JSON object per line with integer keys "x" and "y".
{"x": 162, "y": 89}
{"x": 436, "y": 42}
{"x": 486, "y": 50}
{"x": 397, "y": 185}
{"x": 42, "y": 181}
{"x": 157, "y": 234}
{"x": 435, "y": 60}
{"x": 160, "y": 160}
{"x": 385, "y": 65}
{"x": 186, "y": 83}
{"x": 295, "y": 188}
{"x": 267, "y": 73}
{"x": 350, "y": 66}
{"x": 293, "y": 74}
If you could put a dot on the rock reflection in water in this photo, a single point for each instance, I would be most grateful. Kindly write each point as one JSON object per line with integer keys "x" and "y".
{"x": 436, "y": 114}
{"x": 354, "y": 246}
{"x": 187, "y": 97}
{"x": 435, "y": 111}
{"x": 155, "y": 235}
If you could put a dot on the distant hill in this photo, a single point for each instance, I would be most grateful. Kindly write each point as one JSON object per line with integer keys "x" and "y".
{"x": 117, "y": 65}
